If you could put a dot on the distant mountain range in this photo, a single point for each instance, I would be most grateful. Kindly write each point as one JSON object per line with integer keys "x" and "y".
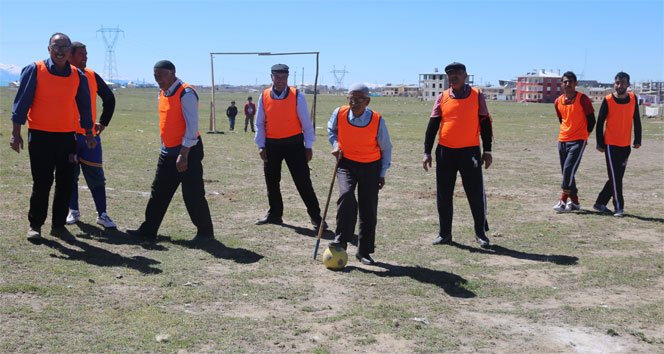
{"x": 9, "y": 72}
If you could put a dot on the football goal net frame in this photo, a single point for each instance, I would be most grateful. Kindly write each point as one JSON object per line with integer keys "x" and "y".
{"x": 213, "y": 116}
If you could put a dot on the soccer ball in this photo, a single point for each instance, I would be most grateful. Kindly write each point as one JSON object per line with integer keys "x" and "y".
{"x": 335, "y": 258}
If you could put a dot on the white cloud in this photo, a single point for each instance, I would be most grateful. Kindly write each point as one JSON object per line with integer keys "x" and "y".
{"x": 12, "y": 69}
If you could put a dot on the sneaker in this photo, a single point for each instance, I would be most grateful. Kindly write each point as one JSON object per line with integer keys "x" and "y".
{"x": 619, "y": 213}
{"x": 106, "y": 221}
{"x": 560, "y": 207}
{"x": 73, "y": 217}
{"x": 366, "y": 259}
{"x": 34, "y": 235}
{"x": 440, "y": 240}
{"x": 316, "y": 223}
{"x": 602, "y": 208}
{"x": 571, "y": 206}
{"x": 269, "y": 219}
{"x": 483, "y": 241}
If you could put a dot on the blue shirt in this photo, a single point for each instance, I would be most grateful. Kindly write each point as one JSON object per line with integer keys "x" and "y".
{"x": 302, "y": 114}
{"x": 383, "y": 137}
{"x": 26, "y": 93}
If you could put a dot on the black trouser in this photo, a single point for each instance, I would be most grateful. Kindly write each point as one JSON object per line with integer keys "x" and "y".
{"x": 468, "y": 161}
{"x": 366, "y": 177}
{"x": 570, "y": 153}
{"x": 616, "y": 162}
{"x": 50, "y": 152}
{"x": 292, "y": 150}
{"x": 247, "y": 120}
{"x": 166, "y": 182}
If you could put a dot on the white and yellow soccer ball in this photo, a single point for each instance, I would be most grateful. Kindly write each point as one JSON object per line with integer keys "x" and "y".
{"x": 335, "y": 258}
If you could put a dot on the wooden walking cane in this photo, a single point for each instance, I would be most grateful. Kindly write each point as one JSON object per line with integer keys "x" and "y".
{"x": 327, "y": 204}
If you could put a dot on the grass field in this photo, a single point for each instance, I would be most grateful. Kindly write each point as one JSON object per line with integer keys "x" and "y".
{"x": 579, "y": 282}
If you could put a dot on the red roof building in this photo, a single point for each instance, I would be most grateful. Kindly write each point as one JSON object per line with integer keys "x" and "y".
{"x": 539, "y": 86}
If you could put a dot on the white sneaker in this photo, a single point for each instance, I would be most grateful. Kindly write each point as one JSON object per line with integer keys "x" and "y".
{"x": 73, "y": 217}
{"x": 560, "y": 207}
{"x": 106, "y": 221}
{"x": 619, "y": 213}
{"x": 571, "y": 206}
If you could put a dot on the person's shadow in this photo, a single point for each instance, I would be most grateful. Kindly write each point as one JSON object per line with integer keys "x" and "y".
{"x": 643, "y": 218}
{"x": 502, "y": 251}
{"x": 326, "y": 235}
{"x": 101, "y": 257}
{"x": 218, "y": 250}
{"x": 114, "y": 237}
{"x": 451, "y": 283}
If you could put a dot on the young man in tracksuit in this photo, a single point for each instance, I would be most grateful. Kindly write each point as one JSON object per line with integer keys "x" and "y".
{"x": 361, "y": 137}
{"x": 52, "y": 94}
{"x": 231, "y": 112}
{"x": 460, "y": 117}
{"x": 249, "y": 112}
{"x": 577, "y": 119}
{"x": 90, "y": 160}
{"x": 180, "y": 159}
{"x": 284, "y": 132}
{"x": 620, "y": 110}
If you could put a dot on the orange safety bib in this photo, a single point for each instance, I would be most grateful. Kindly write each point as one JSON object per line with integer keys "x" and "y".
{"x": 281, "y": 119}
{"x": 619, "y": 121}
{"x": 574, "y": 124}
{"x": 460, "y": 123}
{"x": 54, "y": 106}
{"x": 172, "y": 125}
{"x": 359, "y": 144}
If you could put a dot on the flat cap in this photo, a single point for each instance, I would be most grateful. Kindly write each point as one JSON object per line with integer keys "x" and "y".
{"x": 164, "y": 64}
{"x": 279, "y": 69}
{"x": 249, "y": 98}
{"x": 360, "y": 87}
{"x": 455, "y": 66}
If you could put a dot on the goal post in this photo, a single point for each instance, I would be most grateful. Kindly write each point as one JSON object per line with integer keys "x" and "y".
{"x": 213, "y": 116}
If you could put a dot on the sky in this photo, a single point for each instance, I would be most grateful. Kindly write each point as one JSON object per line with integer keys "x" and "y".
{"x": 376, "y": 42}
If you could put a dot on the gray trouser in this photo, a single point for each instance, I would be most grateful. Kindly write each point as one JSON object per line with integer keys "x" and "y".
{"x": 570, "y": 157}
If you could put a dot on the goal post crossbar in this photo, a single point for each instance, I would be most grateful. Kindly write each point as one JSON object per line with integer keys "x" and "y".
{"x": 213, "y": 116}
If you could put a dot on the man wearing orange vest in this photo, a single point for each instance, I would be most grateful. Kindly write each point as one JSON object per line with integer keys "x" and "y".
{"x": 90, "y": 160}
{"x": 577, "y": 119}
{"x": 51, "y": 96}
{"x": 620, "y": 110}
{"x": 284, "y": 132}
{"x": 180, "y": 158}
{"x": 459, "y": 116}
{"x": 361, "y": 136}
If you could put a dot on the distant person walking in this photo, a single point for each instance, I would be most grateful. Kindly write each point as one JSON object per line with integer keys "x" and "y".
{"x": 52, "y": 94}
{"x": 361, "y": 136}
{"x": 231, "y": 112}
{"x": 284, "y": 132}
{"x": 249, "y": 112}
{"x": 90, "y": 160}
{"x": 180, "y": 158}
{"x": 620, "y": 110}
{"x": 577, "y": 119}
{"x": 460, "y": 117}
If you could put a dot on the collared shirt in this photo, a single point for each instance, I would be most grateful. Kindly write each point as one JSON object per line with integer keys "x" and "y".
{"x": 189, "y": 101}
{"x": 383, "y": 137}
{"x": 302, "y": 114}
{"x": 28, "y": 86}
{"x": 437, "y": 112}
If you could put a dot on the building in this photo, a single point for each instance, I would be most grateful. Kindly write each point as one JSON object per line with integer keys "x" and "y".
{"x": 399, "y": 90}
{"x": 596, "y": 94}
{"x": 539, "y": 86}
{"x": 498, "y": 93}
{"x": 431, "y": 85}
{"x": 650, "y": 92}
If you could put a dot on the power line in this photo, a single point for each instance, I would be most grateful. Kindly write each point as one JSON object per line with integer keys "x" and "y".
{"x": 110, "y": 36}
{"x": 339, "y": 76}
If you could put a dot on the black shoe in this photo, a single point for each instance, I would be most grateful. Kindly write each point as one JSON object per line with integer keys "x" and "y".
{"x": 367, "y": 260}
{"x": 62, "y": 233}
{"x": 34, "y": 235}
{"x": 316, "y": 223}
{"x": 200, "y": 239}
{"x": 441, "y": 240}
{"x": 139, "y": 234}
{"x": 335, "y": 244}
{"x": 483, "y": 241}
{"x": 270, "y": 220}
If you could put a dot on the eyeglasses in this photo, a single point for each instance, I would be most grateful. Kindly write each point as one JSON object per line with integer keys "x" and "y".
{"x": 60, "y": 48}
{"x": 356, "y": 99}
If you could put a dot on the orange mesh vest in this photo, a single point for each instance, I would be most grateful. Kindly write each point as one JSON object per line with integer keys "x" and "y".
{"x": 358, "y": 143}
{"x": 574, "y": 124}
{"x": 172, "y": 125}
{"x": 281, "y": 120}
{"x": 619, "y": 121}
{"x": 460, "y": 123}
{"x": 54, "y": 106}
{"x": 92, "y": 82}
